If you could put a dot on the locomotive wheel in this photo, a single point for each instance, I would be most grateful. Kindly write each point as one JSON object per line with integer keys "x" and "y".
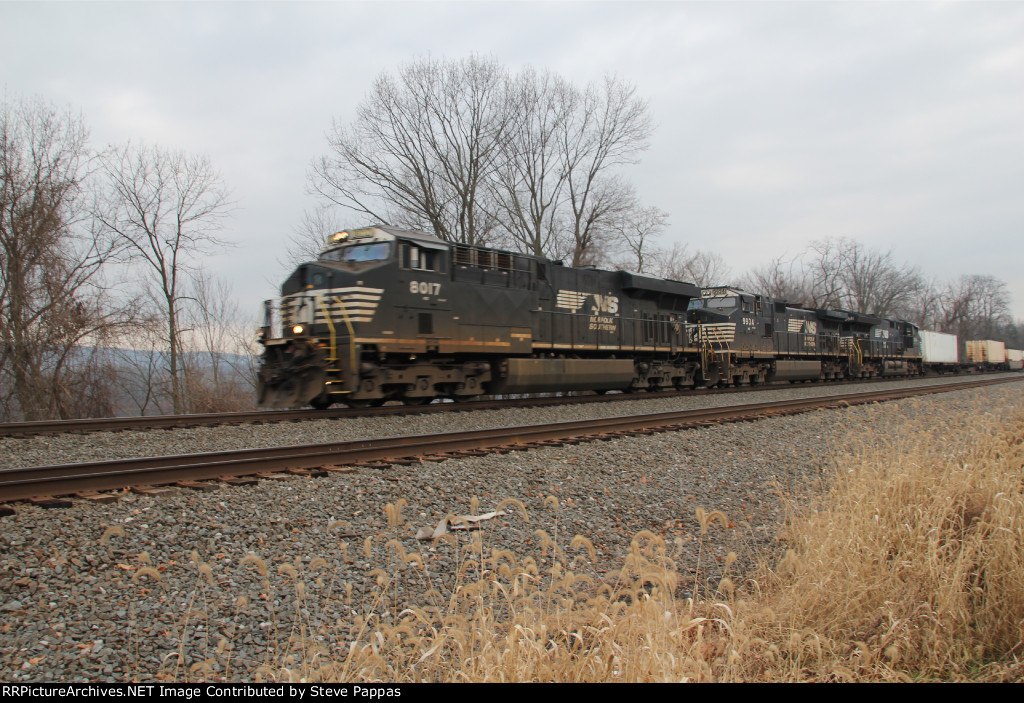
{"x": 321, "y": 402}
{"x": 416, "y": 401}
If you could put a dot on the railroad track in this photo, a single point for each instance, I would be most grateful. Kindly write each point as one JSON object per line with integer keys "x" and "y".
{"x": 192, "y": 469}
{"x": 153, "y": 422}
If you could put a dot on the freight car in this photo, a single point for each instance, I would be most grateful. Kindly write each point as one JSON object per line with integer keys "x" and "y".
{"x": 942, "y": 353}
{"x": 387, "y": 314}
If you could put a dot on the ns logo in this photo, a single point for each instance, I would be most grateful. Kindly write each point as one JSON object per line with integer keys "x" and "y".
{"x": 577, "y": 302}
{"x": 605, "y": 304}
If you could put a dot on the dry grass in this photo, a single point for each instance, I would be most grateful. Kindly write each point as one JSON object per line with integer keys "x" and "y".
{"x": 911, "y": 568}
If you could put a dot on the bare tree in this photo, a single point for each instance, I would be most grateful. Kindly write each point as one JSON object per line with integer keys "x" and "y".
{"x": 843, "y": 273}
{"x": 609, "y": 128}
{"x": 873, "y": 282}
{"x": 591, "y": 229}
{"x": 925, "y": 307}
{"x": 975, "y": 307}
{"x": 780, "y": 278}
{"x": 310, "y": 236}
{"x": 708, "y": 269}
{"x": 702, "y": 268}
{"x": 1013, "y": 334}
{"x": 51, "y": 290}
{"x": 141, "y": 366}
{"x": 422, "y": 149}
{"x": 824, "y": 266}
{"x": 635, "y": 233}
{"x": 530, "y": 182}
{"x": 846, "y": 274}
{"x": 469, "y": 152}
{"x": 217, "y": 378}
{"x": 164, "y": 207}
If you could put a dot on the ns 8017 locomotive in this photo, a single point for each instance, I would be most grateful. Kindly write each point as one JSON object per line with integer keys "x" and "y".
{"x": 386, "y": 314}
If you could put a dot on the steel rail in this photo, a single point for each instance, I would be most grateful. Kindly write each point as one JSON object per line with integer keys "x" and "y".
{"x": 66, "y": 479}
{"x": 154, "y": 422}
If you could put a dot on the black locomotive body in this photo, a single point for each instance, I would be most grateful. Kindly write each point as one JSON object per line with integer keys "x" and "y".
{"x": 748, "y": 338}
{"x": 391, "y": 314}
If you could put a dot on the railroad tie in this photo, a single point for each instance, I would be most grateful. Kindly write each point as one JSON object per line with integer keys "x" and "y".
{"x": 204, "y": 486}
{"x": 154, "y": 491}
{"x": 239, "y": 480}
{"x": 339, "y": 469}
{"x": 311, "y": 473}
{"x": 94, "y": 497}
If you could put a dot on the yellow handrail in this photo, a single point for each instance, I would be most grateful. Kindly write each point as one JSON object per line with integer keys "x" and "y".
{"x": 351, "y": 338}
{"x": 330, "y": 326}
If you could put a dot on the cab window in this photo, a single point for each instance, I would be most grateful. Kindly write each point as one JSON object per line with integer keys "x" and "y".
{"x": 420, "y": 259}
{"x": 726, "y": 302}
{"x": 358, "y": 253}
{"x": 365, "y": 252}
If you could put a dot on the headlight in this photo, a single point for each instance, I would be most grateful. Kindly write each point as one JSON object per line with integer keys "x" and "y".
{"x": 298, "y": 329}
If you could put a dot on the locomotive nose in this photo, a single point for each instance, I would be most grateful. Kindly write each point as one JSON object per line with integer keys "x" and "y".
{"x": 311, "y": 277}
{"x": 708, "y": 316}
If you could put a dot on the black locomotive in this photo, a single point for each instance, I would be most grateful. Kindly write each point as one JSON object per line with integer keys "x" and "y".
{"x": 389, "y": 314}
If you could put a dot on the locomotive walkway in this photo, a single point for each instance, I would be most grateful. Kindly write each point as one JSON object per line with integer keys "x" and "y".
{"x": 84, "y": 480}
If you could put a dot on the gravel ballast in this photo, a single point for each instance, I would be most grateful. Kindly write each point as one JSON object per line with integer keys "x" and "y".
{"x": 64, "y": 449}
{"x": 171, "y": 587}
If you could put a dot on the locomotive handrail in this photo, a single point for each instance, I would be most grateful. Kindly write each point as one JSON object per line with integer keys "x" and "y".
{"x": 351, "y": 339}
{"x": 330, "y": 326}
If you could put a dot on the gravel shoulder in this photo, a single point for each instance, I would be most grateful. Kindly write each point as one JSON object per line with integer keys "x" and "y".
{"x": 171, "y": 587}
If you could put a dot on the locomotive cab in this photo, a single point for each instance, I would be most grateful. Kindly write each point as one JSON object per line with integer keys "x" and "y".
{"x": 732, "y": 317}
{"x": 328, "y": 304}
{"x": 388, "y": 314}
{"x": 733, "y": 330}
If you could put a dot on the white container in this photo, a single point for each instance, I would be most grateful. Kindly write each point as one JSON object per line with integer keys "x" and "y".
{"x": 939, "y": 348}
{"x": 1015, "y": 359}
{"x": 986, "y": 351}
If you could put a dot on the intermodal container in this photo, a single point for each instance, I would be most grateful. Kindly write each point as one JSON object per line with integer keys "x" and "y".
{"x": 986, "y": 351}
{"x": 939, "y": 348}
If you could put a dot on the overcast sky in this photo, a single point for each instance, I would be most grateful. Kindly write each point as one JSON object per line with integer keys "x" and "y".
{"x": 898, "y": 124}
